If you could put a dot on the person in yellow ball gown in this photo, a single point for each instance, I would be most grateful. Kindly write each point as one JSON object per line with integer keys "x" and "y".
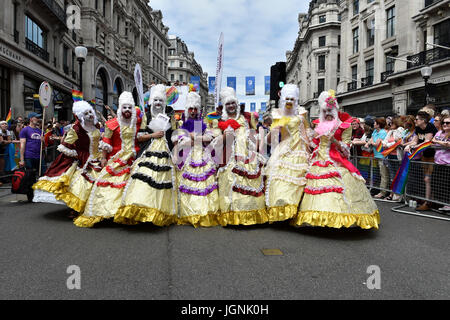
{"x": 241, "y": 180}
{"x": 288, "y": 163}
{"x": 335, "y": 194}
{"x": 119, "y": 147}
{"x": 150, "y": 195}
{"x": 68, "y": 180}
{"x": 196, "y": 170}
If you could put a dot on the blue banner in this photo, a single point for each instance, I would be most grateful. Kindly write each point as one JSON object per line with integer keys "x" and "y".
{"x": 212, "y": 84}
{"x": 231, "y": 82}
{"x": 250, "y": 86}
{"x": 267, "y": 85}
{"x": 195, "y": 80}
{"x": 252, "y": 107}
{"x": 263, "y": 107}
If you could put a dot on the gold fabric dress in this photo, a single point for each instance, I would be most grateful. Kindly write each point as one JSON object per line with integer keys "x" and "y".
{"x": 334, "y": 197}
{"x": 241, "y": 183}
{"x": 198, "y": 189}
{"x": 286, "y": 170}
{"x": 150, "y": 194}
{"x": 106, "y": 195}
{"x": 77, "y": 193}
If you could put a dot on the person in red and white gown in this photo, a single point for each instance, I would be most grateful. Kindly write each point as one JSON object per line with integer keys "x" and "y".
{"x": 335, "y": 194}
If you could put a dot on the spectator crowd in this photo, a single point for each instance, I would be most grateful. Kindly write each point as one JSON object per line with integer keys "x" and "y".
{"x": 20, "y": 145}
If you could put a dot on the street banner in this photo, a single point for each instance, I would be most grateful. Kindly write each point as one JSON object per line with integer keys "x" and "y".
{"x": 139, "y": 85}
{"x": 219, "y": 70}
{"x": 195, "y": 80}
{"x": 212, "y": 85}
{"x": 263, "y": 107}
{"x": 250, "y": 86}
{"x": 267, "y": 85}
{"x": 231, "y": 82}
{"x": 253, "y": 107}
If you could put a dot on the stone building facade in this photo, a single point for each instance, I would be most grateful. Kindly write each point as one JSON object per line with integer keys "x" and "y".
{"x": 36, "y": 46}
{"x": 382, "y": 46}
{"x": 313, "y": 64}
{"x": 119, "y": 34}
{"x": 37, "y": 43}
{"x": 385, "y": 47}
{"x": 183, "y": 66}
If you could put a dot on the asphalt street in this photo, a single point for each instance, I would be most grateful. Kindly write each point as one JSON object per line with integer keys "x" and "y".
{"x": 39, "y": 243}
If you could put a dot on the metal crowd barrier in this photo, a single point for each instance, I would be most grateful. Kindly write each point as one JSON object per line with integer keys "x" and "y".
{"x": 415, "y": 187}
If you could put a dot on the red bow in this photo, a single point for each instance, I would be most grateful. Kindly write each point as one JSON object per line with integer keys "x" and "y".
{"x": 229, "y": 123}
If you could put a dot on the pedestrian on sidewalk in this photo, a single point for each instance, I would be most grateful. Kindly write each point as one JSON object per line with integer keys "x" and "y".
{"x": 30, "y": 144}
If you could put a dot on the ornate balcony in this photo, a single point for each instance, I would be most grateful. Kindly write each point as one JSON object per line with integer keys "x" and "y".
{"x": 431, "y": 2}
{"x": 368, "y": 81}
{"x": 55, "y": 9}
{"x": 36, "y": 50}
{"x": 427, "y": 57}
{"x": 352, "y": 86}
{"x": 386, "y": 74}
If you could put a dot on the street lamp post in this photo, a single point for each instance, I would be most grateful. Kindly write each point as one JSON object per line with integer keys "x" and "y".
{"x": 81, "y": 53}
{"x": 426, "y": 72}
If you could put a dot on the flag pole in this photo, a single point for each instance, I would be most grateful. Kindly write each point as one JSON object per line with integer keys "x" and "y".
{"x": 42, "y": 142}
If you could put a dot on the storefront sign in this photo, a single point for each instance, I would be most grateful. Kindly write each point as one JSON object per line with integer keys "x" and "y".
{"x": 439, "y": 80}
{"x": 10, "y": 54}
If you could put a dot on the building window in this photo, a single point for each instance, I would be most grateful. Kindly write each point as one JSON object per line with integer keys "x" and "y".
{"x": 321, "y": 60}
{"x": 322, "y": 19}
{"x": 181, "y": 78}
{"x": 339, "y": 17}
{"x": 172, "y": 77}
{"x": 320, "y": 85}
{"x": 355, "y": 7}
{"x": 442, "y": 33}
{"x": 370, "y": 32}
{"x": 181, "y": 64}
{"x": 322, "y": 41}
{"x": 355, "y": 40}
{"x": 339, "y": 40}
{"x": 390, "y": 64}
{"x": 390, "y": 22}
{"x": 5, "y": 92}
{"x": 354, "y": 74}
{"x": 338, "y": 63}
{"x": 369, "y": 72}
{"x": 35, "y": 34}
{"x": 65, "y": 60}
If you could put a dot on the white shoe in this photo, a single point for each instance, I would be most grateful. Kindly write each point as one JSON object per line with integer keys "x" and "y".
{"x": 446, "y": 208}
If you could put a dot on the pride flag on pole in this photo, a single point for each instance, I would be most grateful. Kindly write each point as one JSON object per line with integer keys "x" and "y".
{"x": 9, "y": 118}
{"x": 77, "y": 96}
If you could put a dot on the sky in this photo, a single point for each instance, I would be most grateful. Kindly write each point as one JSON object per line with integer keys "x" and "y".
{"x": 257, "y": 34}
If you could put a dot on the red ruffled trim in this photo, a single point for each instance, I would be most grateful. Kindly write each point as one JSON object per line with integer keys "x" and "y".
{"x": 324, "y": 190}
{"x": 123, "y": 164}
{"x": 330, "y": 175}
{"x": 85, "y": 176}
{"x": 322, "y": 165}
{"x": 247, "y": 175}
{"x": 249, "y": 193}
{"x": 117, "y": 174}
{"x": 112, "y": 185}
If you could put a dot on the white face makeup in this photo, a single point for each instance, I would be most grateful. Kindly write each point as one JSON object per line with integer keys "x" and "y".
{"x": 127, "y": 111}
{"x": 290, "y": 102}
{"x": 231, "y": 108}
{"x": 88, "y": 116}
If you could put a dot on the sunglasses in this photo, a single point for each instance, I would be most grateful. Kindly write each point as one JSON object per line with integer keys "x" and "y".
{"x": 446, "y": 122}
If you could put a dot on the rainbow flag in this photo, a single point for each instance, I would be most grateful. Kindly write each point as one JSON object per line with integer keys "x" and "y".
{"x": 380, "y": 147}
{"x": 388, "y": 151}
{"x": 213, "y": 116}
{"x": 420, "y": 148}
{"x": 77, "y": 96}
{"x": 9, "y": 118}
{"x": 93, "y": 102}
